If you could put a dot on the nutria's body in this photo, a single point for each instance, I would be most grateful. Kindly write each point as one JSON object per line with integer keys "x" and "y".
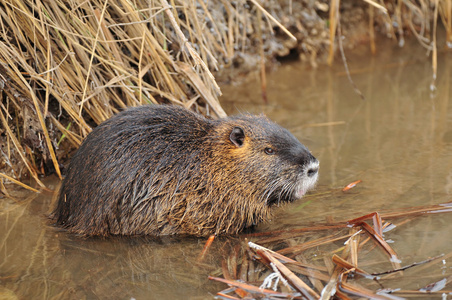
{"x": 162, "y": 170}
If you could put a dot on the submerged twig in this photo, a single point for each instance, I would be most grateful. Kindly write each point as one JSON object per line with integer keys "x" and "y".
{"x": 344, "y": 59}
{"x": 408, "y": 266}
{"x": 250, "y": 288}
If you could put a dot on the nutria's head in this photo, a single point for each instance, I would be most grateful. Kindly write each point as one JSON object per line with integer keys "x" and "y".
{"x": 270, "y": 158}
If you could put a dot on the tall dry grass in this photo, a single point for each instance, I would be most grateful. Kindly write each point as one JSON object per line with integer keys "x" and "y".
{"x": 66, "y": 66}
{"x": 420, "y": 19}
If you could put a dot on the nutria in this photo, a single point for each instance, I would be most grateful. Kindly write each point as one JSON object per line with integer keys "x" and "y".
{"x": 162, "y": 170}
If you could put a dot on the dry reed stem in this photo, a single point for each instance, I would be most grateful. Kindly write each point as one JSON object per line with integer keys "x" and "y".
{"x": 335, "y": 284}
{"x": 291, "y": 277}
{"x": 273, "y": 19}
{"x": 18, "y": 183}
{"x": 434, "y": 46}
{"x": 314, "y": 243}
{"x": 398, "y": 18}
{"x": 344, "y": 290}
{"x": 341, "y": 50}
{"x": 20, "y": 150}
{"x": 250, "y": 288}
{"x": 191, "y": 50}
{"x": 445, "y": 8}
{"x": 93, "y": 50}
{"x": 376, "y": 5}
{"x": 263, "y": 76}
{"x": 334, "y": 4}
{"x": 373, "y": 48}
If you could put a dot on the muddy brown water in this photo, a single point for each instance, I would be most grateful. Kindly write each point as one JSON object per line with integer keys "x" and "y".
{"x": 398, "y": 142}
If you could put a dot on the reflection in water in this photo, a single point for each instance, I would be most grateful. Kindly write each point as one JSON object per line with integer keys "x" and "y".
{"x": 40, "y": 261}
{"x": 398, "y": 142}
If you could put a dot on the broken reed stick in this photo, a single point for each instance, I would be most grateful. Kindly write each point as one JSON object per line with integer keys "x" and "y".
{"x": 314, "y": 243}
{"x": 273, "y": 19}
{"x": 292, "y": 232}
{"x": 250, "y": 288}
{"x": 381, "y": 242}
{"x": 408, "y": 266}
{"x": 354, "y": 290}
{"x": 296, "y": 282}
{"x": 348, "y": 266}
{"x": 337, "y": 285}
{"x": 19, "y": 183}
{"x": 206, "y": 248}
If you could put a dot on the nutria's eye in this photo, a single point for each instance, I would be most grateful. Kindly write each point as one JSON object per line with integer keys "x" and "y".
{"x": 269, "y": 151}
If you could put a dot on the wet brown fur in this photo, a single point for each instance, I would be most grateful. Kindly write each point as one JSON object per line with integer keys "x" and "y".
{"x": 161, "y": 170}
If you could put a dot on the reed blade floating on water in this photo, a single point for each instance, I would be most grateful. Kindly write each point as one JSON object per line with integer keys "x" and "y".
{"x": 282, "y": 268}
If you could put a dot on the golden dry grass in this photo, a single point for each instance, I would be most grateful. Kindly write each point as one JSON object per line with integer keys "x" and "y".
{"x": 67, "y": 66}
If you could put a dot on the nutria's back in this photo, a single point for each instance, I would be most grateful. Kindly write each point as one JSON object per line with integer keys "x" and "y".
{"x": 162, "y": 170}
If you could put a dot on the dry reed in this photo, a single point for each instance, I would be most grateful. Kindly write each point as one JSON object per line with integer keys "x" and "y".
{"x": 65, "y": 67}
{"x": 337, "y": 270}
{"x": 68, "y": 66}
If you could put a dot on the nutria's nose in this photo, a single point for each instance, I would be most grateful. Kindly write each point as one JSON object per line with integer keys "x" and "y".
{"x": 312, "y": 168}
{"x": 312, "y": 171}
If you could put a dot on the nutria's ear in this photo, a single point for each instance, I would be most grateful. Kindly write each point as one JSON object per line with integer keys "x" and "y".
{"x": 237, "y": 136}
